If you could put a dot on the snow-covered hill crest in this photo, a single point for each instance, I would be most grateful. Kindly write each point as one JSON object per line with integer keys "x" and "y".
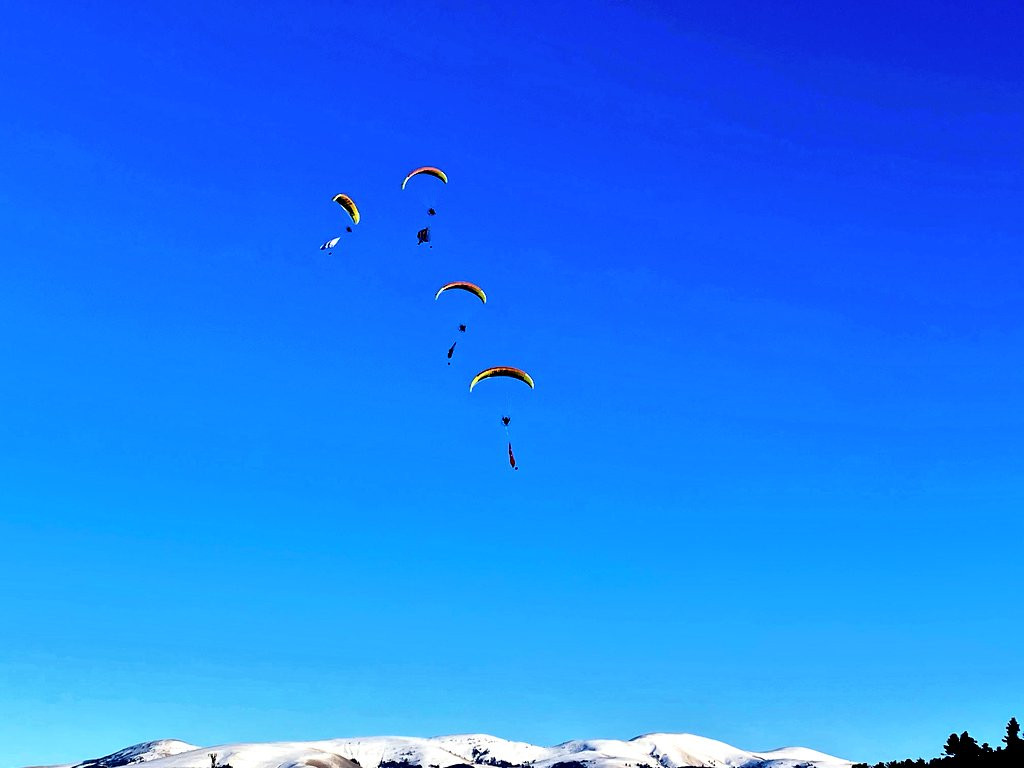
{"x": 139, "y": 753}
{"x": 654, "y": 750}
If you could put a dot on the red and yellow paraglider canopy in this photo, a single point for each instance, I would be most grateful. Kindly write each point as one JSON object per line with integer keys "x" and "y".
{"x": 429, "y": 170}
{"x": 462, "y": 285}
{"x": 502, "y": 370}
{"x": 347, "y": 203}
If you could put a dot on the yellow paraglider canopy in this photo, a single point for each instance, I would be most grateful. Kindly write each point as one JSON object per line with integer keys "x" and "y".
{"x": 476, "y": 290}
{"x": 502, "y": 370}
{"x": 350, "y": 207}
{"x": 430, "y": 170}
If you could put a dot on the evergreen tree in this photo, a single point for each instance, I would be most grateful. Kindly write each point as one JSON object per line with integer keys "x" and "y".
{"x": 952, "y": 747}
{"x": 970, "y": 752}
{"x": 1013, "y": 741}
{"x": 963, "y": 751}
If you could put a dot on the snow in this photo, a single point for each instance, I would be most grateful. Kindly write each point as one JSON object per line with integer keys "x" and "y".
{"x": 654, "y": 750}
{"x": 794, "y": 755}
{"x": 674, "y": 750}
{"x": 146, "y": 752}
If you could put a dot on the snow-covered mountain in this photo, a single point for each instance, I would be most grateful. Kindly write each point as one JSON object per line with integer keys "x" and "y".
{"x": 655, "y": 750}
{"x": 140, "y": 753}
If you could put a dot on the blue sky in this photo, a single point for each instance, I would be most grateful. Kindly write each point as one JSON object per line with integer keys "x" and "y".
{"x": 763, "y": 263}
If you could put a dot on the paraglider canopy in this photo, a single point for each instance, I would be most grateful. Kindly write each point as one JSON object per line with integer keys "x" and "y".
{"x": 461, "y": 285}
{"x": 429, "y": 170}
{"x": 330, "y": 244}
{"x": 350, "y": 207}
{"x": 502, "y": 370}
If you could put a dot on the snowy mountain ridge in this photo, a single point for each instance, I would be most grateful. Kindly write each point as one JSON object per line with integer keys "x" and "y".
{"x": 654, "y": 750}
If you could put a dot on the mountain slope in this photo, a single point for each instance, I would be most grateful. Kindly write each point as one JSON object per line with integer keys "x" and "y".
{"x": 140, "y": 753}
{"x": 655, "y": 750}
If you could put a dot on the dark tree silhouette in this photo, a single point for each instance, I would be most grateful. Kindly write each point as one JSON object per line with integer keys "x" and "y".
{"x": 963, "y": 751}
{"x": 952, "y": 747}
{"x": 969, "y": 749}
{"x": 1012, "y": 740}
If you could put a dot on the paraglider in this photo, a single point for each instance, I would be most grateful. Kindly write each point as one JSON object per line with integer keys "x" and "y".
{"x": 461, "y": 285}
{"x": 429, "y": 170}
{"x": 508, "y": 372}
{"x": 350, "y": 208}
{"x": 426, "y": 170}
{"x": 349, "y": 205}
{"x": 451, "y": 351}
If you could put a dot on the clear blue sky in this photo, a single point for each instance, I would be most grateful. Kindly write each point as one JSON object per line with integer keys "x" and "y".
{"x": 763, "y": 260}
